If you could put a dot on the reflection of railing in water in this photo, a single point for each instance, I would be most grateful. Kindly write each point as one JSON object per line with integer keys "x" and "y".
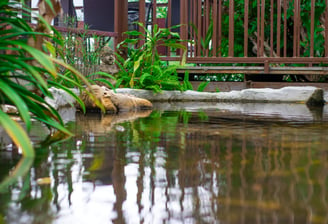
{"x": 265, "y": 175}
{"x": 242, "y": 171}
{"x": 234, "y": 172}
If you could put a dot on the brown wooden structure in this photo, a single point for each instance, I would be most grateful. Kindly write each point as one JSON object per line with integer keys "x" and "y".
{"x": 286, "y": 38}
{"x": 276, "y": 40}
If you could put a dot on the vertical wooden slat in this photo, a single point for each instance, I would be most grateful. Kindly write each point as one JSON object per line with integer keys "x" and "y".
{"x": 220, "y": 28}
{"x": 169, "y": 13}
{"x": 296, "y": 22}
{"x": 215, "y": 20}
{"x": 183, "y": 19}
{"x": 195, "y": 23}
{"x": 121, "y": 19}
{"x": 271, "y": 28}
{"x": 246, "y": 8}
{"x": 262, "y": 27}
{"x": 154, "y": 12}
{"x": 199, "y": 25}
{"x": 142, "y": 19}
{"x": 285, "y": 28}
{"x": 312, "y": 28}
{"x": 192, "y": 19}
{"x": 299, "y": 24}
{"x": 326, "y": 30}
{"x": 258, "y": 27}
{"x": 207, "y": 16}
{"x": 169, "y": 23}
{"x": 278, "y": 26}
{"x": 231, "y": 27}
{"x": 142, "y": 13}
{"x": 203, "y": 27}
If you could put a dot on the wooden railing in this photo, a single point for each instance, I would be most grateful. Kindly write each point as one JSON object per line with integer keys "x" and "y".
{"x": 260, "y": 36}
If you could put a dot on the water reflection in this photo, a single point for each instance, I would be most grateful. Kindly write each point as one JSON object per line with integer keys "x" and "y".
{"x": 178, "y": 167}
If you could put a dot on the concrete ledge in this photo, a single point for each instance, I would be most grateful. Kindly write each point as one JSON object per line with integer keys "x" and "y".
{"x": 61, "y": 98}
{"x": 250, "y": 111}
{"x": 307, "y": 95}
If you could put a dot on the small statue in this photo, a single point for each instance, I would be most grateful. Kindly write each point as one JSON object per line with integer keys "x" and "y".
{"x": 107, "y": 61}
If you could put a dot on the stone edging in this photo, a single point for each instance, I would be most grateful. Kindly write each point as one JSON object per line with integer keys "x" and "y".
{"x": 308, "y": 95}
{"x": 305, "y": 95}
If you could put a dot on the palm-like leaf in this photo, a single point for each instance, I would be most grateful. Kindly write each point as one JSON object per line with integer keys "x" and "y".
{"x": 26, "y": 73}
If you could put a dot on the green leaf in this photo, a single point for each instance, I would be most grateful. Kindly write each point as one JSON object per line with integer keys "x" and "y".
{"x": 70, "y": 92}
{"x": 27, "y": 67}
{"x": 133, "y": 33}
{"x": 42, "y": 58}
{"x": 202, "y": 86}
{"x": 54, "y": 124}
{"x": 186, "y": 83}
{"x": 147, "y": 80}
{"x": 17, "y": 134}
{"x": 105, "y": 81}
{"x": 155, "y": 88}
{"x": 17, "y": 101}
{"x": 102, "y": 74}
{"x": 20, "y": 170}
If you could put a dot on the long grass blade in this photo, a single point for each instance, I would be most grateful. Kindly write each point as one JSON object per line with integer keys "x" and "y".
{"x": 17, "y": 101}
{"x": 20, "y": 170}
{"x": 17, "y": 134}
{"x": 70, "y": 92}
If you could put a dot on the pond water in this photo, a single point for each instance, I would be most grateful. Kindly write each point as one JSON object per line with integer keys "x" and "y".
{"x": 177, "y": 164}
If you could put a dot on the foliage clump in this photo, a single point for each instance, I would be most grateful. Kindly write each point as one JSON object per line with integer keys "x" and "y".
{"x": 143, "y": 68}
{"x": 28, "y": 68}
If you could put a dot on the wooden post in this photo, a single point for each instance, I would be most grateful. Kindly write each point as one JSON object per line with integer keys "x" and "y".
{"x": 142, "y": 19}
{"x": 121, "y": 19}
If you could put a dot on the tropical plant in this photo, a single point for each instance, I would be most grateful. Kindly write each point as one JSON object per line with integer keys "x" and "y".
{"x": 143, "y": 68}
{"x": 82, "y": 50}
{"x": 26, "y": 73}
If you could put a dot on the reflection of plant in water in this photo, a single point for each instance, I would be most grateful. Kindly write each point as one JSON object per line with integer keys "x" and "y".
{"x": 215, "y": 167}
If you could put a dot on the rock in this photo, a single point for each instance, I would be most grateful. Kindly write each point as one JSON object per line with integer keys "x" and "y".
{"x": 100, "y": 94}
{"x": 249, "y": 111}
{"x": 114, "y": 102}
{"x": 308, "y": 95}
{"x": 9, "y": 109}
{"x": 61, "y": 98}
{"x": 126, "y": 102}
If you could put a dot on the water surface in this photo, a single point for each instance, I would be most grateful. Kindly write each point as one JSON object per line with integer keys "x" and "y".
{"x": 177, "y": 164}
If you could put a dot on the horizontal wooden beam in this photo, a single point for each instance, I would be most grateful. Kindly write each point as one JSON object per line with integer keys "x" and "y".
{"x": 86, "y": 32}
{"x": 254, "y": 70}
{"x": 229, "y": 86}
{"x": 259, "y": 60}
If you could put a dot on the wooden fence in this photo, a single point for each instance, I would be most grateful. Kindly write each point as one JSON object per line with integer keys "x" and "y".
{"x": 251, "y": 36}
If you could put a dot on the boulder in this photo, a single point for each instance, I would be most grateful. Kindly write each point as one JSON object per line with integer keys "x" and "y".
{"x": 305, "y": 94}
{"x": 113, "y": 102}
{"x": 61, "y": 98}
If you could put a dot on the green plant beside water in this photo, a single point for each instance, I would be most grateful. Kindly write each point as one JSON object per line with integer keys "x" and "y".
{"x": 27, "y": 73}
{"x": 143, "y": 68}
{"x": 82, "y": 51}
